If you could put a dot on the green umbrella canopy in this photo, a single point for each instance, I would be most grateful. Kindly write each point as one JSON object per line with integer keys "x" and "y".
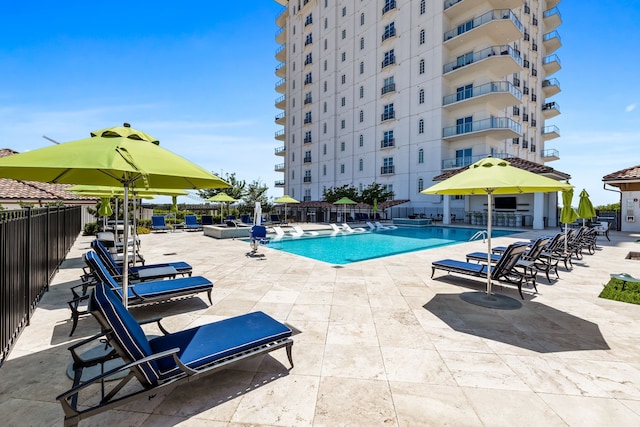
{"x": 286, "y": 199}
{"x": 105, "y": 207}
{"x": 222, "y": 197}
{"x": 101, "y": 190}
{"x": 567, "y": 214}
{"x": 585, "y": 207}
{"x": 345, "y": 201}
{"x": 125, "y": 131}
{"x": 494, "y": 176}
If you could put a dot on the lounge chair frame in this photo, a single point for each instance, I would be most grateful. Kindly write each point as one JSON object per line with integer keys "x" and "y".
{"x": 111, "y": 399}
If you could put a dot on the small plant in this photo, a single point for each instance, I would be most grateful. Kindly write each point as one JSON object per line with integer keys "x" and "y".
{"x": 90, "y": 229}
{"x": 141, "y": 229}
{"x": 617, "y": 290}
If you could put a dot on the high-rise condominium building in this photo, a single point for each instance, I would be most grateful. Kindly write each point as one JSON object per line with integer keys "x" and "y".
{"x": 400, "y": 91}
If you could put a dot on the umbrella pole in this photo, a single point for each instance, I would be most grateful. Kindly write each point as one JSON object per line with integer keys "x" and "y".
{"x": 125, "y": 252}
{"x": 489, "y": 221}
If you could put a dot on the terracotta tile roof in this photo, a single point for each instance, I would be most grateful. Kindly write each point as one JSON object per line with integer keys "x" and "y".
{"x": 632, "y": 173}
{"x": 326, "y": 205}
{"x": 527, "y": 165}
{"x": 31, "y": 190}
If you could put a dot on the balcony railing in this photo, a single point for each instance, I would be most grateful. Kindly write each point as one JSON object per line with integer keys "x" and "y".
{"x": 279, "y": 133}
{"x": 388, "y": 88}
{"x": 279, "y": 167}
{"x": 280, "y": 150}
{"x": 389, "y": 61}
{"x": 389, "y": 142}
{"x": 307, "y": 120}
{"x": 279, "y": 183}
{"x": 386, "y": 170}
{"x": 493, "y": 15}
{"x": 449, "y": 3}
{"x": 551, "y": 106}
{"x": 551, "y": 131}
{"x": 388, "y": 34}
{"x": 307, "y": 159}
{"x": 551, "y": 154}
{"x": 280, "y": 82}
{"x": 389, "y": 6}
{"x": 493, "y": 87}
{"x": 481, "y": 125}
{"x": 459, "y": 162}
{"x": 388, "y": 116}
{"x": 280, "y": 116}
{"x": 306, "y": 179}
{"x": 307, "y": 140}
{"x": 307, "y": 100}
{"x": 483, "y": 54}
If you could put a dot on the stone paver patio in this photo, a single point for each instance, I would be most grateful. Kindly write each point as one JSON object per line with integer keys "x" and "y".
{"x": 377, "y": 343}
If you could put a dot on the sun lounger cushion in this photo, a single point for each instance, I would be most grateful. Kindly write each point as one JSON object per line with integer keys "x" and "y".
{"x": 113, "y": 267}
{"x": 460, "y": 266}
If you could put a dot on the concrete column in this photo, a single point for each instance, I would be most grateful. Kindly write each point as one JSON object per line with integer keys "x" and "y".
{"x": 446, "y": 216}
{"x": 538, "y": 211}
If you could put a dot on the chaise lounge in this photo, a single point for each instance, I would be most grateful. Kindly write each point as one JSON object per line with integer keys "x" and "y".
{"x": 503, "y": 271}
{"x": 164, "y": 361}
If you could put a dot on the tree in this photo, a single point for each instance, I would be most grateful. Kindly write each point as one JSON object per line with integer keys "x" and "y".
{"x": 377, "y": 192}
{"x": 237, "y": 190}
{"x": 256, "y": 192}
{"x": 334, "y": 194}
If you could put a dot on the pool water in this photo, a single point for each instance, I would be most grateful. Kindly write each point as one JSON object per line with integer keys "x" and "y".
{"x": 348, "y": 248}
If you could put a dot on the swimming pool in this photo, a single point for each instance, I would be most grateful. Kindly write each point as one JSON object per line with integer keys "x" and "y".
{"x": 348, "y": 248}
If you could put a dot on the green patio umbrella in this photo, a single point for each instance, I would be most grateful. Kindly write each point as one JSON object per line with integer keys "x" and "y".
{"x": 285, "y": 199}
{"x": 105, "y": 210}
{"x": 567, "y": 214}
{"x": 585, "y": 207}
{"x": 494, "y": 176}
{"x": 222, "y": 197}
{"x": 344, "y": 202}
{"x": 110, "y": 160}
{"x": 126, "y": 131}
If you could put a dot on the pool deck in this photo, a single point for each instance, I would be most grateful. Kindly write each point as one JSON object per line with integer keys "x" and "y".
{"x": 376, "y": 343}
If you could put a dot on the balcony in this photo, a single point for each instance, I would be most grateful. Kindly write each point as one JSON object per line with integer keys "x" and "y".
{"x": 281, "y": 70}
{"x": 551, "y": 19}
{"x": 306, "y": 179}
{"x": 550, "y": 132}
{"x": 388, "y": 61}
{"x": 281, "y": 53}
{"x": 280, "y": 135}
{"x": 307, "y": 159}
{"x": 552, "y": 3}
{"x": 281, "y": 102}
{"x": 391, "y": 5}
{"x": 460, "y": 162}
{"x": 551, "y": 42}
{"x": 550, "y": 109}
{"x": 498, "y": 60}
{"x": 281, "y": 87}
{"x": 281, "y": 36}
{"x": 281, "y": 151}
{"x": 550, "y": 87}
{"x": 279, "y": 183}
{"x": 281, "y": 119}
{"x": 550, "y": 155}
{"x": 387, "y": 116}
{"x": 307, "y": 100}
{"x": 281, "y": 17}
{"x": 279, "y": 167}
{"x": 388, "y": 89}
{"x": 307, "y": 140}
{"x": 463, "y": 8}
{"x": 500, "y": 94}
{"x": 502, "y": 23}
{"x": 495, "y": 127}
{"x": 387, "y": 170}
{"x": 388, "y": 34}
{"x": 388, "y": 143}
{"x": 551, "y": 64}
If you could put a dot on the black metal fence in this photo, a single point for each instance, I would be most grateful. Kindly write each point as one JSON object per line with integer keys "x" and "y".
{"x": 33, "y": 244}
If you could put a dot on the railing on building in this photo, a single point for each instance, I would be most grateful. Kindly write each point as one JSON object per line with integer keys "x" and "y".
{"x": 33, "y": 244}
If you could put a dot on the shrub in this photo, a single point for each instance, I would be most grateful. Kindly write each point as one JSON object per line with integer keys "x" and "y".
{"x": 613, "y": 291}
{"x": 91, "y": 228}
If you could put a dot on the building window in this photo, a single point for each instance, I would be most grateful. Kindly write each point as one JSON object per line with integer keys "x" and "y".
{"x": 388, "y": 5}
{"x": 344, "y": 11}
{"x": 307, "y": 176}
{"x": 387, "y": 166}
{"x": 309, "y": 39}
{"x": 307, "y": 98}
{"x": 307, "y": 137}
{"x": 324, "y": 107}
{"x": 324, "y": 170}
{"x": 307, "y": 117}
{"x": 324, "y": 149}
{"x": 362, "y": 19}
{"x": 293, "y": 157}
{"x": 389, "y": 58}
{"x": 344, "y": 34}
{"x": 307, "y": 195}
{"x": 343, "y": 101}
{"x": 343, "y": 78}
{"x": 464, "y": 125}
{"x": 422, "y": 36}
{"x": 361, "y": 43}
{"x": 308, "y": 79}
{"x": 387, "y": 139}
{"x": 361, "y": 116}
{"x": 343, "y": 124}
{"x": 361, "y": 92}
{"x": 361, "y": 140}
{"x": 307, "y": 60}
{"x": 308, "y": 20}
{"x": 421, "y": 156}
{"x": 388, "y": 85}
{"x": 421, "y": 96}
{"x": 326, "y": 23}
{"x": 293, "y": 139}
{"x": 344, "y": 56}
{"x": 325, "y": 65}
{"x": 388, "y": 112}
{"x": 420, "y": 184}
{"x": 293, "y": 175}
{"x": 421, "y": 126}
{"x": 362, "y": 68}
{"x": 324, "y": 127}
{"x": 421, "y": 67}
{"x": 389, "y": 31}
{"x": 325, "y": 86}
{"x": 423, "y": 7}
{"x": 342, "y": 168}
{"x": 463, "y": 157}
{"x": 360, "y": 165}
{"x": 326, "y": 44}
{"x": 342, "y": 146}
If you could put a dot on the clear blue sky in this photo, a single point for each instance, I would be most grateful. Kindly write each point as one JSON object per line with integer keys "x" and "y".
{"x": 199, "y": 76}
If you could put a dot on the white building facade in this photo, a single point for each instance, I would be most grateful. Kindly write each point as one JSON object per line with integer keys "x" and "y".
{"x": 399, "y": 91}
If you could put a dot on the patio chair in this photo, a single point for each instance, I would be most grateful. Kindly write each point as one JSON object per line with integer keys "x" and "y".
{"x": 159, "y": 223}
{"x": 336, "y": 229}
{"x": 207, "y": 219}
{"x": 257, "y": 237}
{"x": 116, "y": 248}
{"x": 191, "y": 223}
{"x": 279, "y": 232}
{"x": 275, "y": 219}
{"x": 346, "y": 227}
{"x": 153, "y": 365}
{"x": 245, "y": 219}
{"x": 602, "y": 229}
{"x": 299, "y": 232}
{"x": 503, "y": 271}
{"x": 381, "y": 226}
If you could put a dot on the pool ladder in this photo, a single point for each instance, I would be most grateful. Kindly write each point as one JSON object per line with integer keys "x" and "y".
{"x": 478, "y": 235}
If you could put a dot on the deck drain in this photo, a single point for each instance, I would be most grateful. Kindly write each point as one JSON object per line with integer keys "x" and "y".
{"x": 338, "y": 266}
{"x": 170, "y": 253}
{"x": 633, "y": 255}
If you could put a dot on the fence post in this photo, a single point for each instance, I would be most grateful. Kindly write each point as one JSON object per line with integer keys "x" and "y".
{"x": 27, "y": 267}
